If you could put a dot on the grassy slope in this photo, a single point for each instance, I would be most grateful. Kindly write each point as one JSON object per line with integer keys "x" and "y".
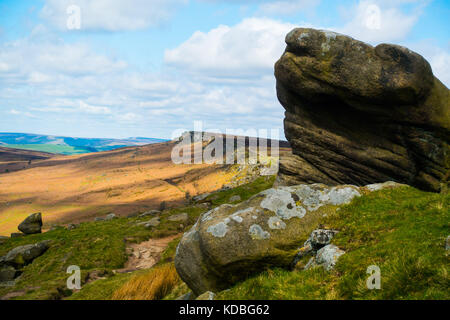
{"x": 402, "y": 231}
{"x": 52, "y": 148}
{"x": 100, "y": 246}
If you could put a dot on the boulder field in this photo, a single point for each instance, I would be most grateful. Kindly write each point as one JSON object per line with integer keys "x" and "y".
{"x": 358, "y": 114}
{"x": 231, "y": 242}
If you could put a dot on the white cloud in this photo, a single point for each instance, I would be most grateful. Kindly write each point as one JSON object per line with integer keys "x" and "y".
{"x": 111, "y": 15}
{"x": 248, "y": 49}
{"x": 21, "y": 113}
{"x": 287, "y": 7}
{"x": 379, "y": 21}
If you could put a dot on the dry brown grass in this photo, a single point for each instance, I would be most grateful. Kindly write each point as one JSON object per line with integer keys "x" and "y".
{"x": 154, "y": 285}
{"x": 73, "y": 189}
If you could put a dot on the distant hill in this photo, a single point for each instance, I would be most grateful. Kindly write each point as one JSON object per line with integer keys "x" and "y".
{"x": 68, "y": 145}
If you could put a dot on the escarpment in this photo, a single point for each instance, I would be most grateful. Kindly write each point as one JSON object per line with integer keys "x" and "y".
{"x": 359, "y": 114}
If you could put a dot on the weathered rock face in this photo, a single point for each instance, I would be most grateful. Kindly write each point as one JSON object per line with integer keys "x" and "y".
{"x": 32, "y": 224}
{"x": 231, "y": 242}
{"x": 360, "y": 114}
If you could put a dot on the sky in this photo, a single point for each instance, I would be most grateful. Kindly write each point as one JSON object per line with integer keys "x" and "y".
{"x": 150, "y": 68}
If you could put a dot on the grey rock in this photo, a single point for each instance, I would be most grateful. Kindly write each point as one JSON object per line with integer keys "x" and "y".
{"x": 360, "y": 114}
{"x": 321, "y": 237}
{"x": 32, "y": 224}
{"x": 187, "y": 296}
{"x": 150, "y": 213}
{"x": 447, "y": 243}
{"x": 25, "y": 254}
{"x": 17, "y": 234}
{"x": 328, "y": 256}
{"x": 110, "y": 216}
{"x": 232, "y": 242}
{"x": 235, "y": 198}
{"x": 71, "y": 226}
{"x": 206, "y": 296}
{"x": 201, "y": 197}
{"x": 7, "y": 273}
{"x": 182, "y": 217}
{"x": 133, "y": 215}
{"x": 152, "y": 223}
{"x": 99, "y": 219}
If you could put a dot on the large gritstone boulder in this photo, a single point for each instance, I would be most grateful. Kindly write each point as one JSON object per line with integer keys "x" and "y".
{"x": 359, "y": 114}
{"x": 32, "y": 224}
{"x": 231, "y": 242}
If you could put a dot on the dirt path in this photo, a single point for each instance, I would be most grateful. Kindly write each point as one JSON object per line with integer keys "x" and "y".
{"x": 146, "y": 254}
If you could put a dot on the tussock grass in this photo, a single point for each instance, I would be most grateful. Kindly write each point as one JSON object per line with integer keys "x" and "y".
{"x": 154, "y": 285}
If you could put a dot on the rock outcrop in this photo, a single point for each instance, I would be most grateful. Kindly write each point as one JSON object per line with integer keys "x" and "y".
{"x": 15, "y": 259}
{"x": 231, "y": 242}
{"x": 32, "y": 224}
{"x": 357, "y": 114}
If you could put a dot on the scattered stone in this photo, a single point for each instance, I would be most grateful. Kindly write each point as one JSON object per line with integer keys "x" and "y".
{"x": 187, "y": 296}
{"x": 206, "y": 296}
{"x": 99, "y": 219}
{"x": 320, "y": 238}
{"x": 317, "y": 240}
{"x": 71, "y": 226}
{"x": 201, "y": 197}
{"x": 150, "y": 213}
{"x": 32, "y": 224}
{"x": 152, "y": 223}
{"x": 17, "y": 234}
{"x": 133, "y": 215}
{"x": 328, "y": 256}
{"x": 182, "y": 217}
{"x": 447, "y": 244}
{"x": 110, "y": 216}
{"x": 360, "y": 114}
{"x": 235, "y": 198}
{"x": 7, "y": 273}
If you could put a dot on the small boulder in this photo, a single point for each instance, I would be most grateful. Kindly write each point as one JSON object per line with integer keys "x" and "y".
{"x": 235, "y": 198}
{"x": 110, "y": 216}
{"x": 447, "y": 243}
{"x": 321, "y": 237}
{"x": 182, "y": 217}
{"x": 71, "y": 226}
{"x": 23, "y": 255}
{"x": 208, "y": 295}
{"x": 17, "y": 234}
{"x": 328, "y": 256}
{"x": 150, "y": 213}
{"x": 201, "y": 197}
{"x": 187, "y": 296}
{"x": 7, "y": 273}
{"x": 99, "y": 219}
{"x": 152, "y": 223}
{"x": 32, "y": 224}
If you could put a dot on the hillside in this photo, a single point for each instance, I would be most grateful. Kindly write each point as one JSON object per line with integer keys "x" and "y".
{"x": 68, "y": 145}
{"x": 402, "y": 230}
{"x": 17, "y": 159}
{"x": 70, "y": 189}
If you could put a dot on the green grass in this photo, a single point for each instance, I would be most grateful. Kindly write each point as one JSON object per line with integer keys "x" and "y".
{"x": 402, "y": 231}
{"x": 52, "y": 148}
{"x": 244, "y": 191}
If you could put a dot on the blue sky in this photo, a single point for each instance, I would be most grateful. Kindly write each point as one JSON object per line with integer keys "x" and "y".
{"x": 152, "y": 67}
